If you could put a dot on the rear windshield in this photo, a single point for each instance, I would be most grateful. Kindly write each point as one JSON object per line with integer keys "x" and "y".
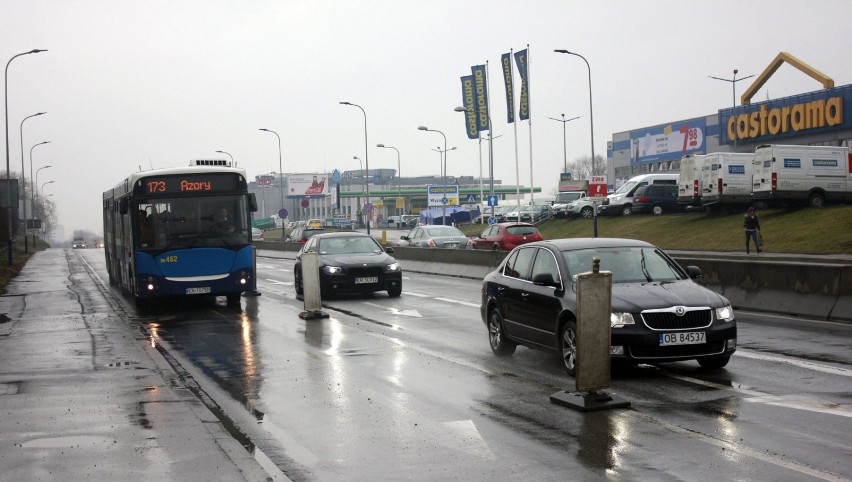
{"x": 521, "y": 230}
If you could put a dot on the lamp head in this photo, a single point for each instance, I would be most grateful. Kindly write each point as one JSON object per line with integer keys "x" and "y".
{"x": 380, "y": 145}
{"x": 735, "y": 71}
{"x": 460, "y": 109}
{"x": 356, "y": 157}
{"x": 43, "y": 142}
{"x": 345, "y": 103}
{"x": 422, "y": 128}
{"x": 35, "y": 51}
{"x": 267, "y": 130}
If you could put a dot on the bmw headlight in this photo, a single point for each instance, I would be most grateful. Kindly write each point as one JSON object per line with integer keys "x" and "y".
{"x": 725, "y": 313}
{"x": 332, "y": 269}
{"x": 617, "y": 320}
{"x": 392, "y": 267}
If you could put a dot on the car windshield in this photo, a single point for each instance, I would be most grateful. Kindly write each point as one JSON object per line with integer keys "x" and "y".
{"x": 626, "y": 187}
{"x": 348, "y": 245}
{"x": 444, "y": 231}
{"x": 627, "y": 264}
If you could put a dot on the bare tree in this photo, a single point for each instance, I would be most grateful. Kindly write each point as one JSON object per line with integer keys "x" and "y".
{"x": 583, "y": 167}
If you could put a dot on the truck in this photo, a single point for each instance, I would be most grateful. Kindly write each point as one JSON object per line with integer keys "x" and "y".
{"x": 812, "y": 175}
{"x": 569, "y": 191}
{"x": 689, "y": 188}
{"x": 726, "y": 180}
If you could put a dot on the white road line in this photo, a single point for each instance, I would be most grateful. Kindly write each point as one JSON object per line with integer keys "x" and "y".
{"x": 419, "y": 295}
{"x": 275, "y": 281}
{"x": 746, "y": 353}
{"x": 459, "y": 302}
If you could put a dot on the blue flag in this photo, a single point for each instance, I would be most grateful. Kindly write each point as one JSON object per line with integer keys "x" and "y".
{"x": 524, "y": 108}
{"x": 481, "y": 89}
{"x": 506, "y": 63}
{"x": 469, "y": 103}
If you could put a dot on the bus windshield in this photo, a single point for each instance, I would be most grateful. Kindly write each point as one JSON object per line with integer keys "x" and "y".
{"x": 209, "y": 221}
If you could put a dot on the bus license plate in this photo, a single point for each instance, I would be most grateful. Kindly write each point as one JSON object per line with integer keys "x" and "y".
{"x": 198, "y": 291}
{"x": 688, "y": 338}
{"x": 366, "y": 280}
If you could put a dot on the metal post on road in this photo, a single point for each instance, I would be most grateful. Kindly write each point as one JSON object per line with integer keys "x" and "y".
{"x": 24, "y": 184}
{"x": 443, "y": 172}
{"x": 366, "y": 158}
{"x": 398, "y": 177}
{"x": 565, "y": 139}
{"x": 280, "y": 178}
{"x": 8, "y": 180}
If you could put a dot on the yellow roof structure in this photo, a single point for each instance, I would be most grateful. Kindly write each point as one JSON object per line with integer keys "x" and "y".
{"x": 827, "y": 82}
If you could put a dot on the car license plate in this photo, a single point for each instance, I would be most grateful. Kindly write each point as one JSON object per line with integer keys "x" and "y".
{"x": 366, "y": 280}
{"x": 451, "y": 245}
{"x": 198, "y": 291}
{"x": 687, "y": 338}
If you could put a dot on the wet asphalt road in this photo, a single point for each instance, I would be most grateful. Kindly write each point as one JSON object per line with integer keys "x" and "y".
{"x": 407, "y": 388}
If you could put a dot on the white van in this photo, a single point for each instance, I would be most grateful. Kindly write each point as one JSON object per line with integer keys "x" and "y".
{"x": 812, "y": 174}
{"x": 621, "y": 200}
{"x": 689, "y": 180}
{"x": 727, "y": 179}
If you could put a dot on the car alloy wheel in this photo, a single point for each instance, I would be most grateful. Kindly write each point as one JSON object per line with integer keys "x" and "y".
{"x": 568, "y": 347}
{"x": 626, "y": 210}
{"x": 586, "y": 212}
{"x": 657, "y": 210}
{"x": 497, "y": 337}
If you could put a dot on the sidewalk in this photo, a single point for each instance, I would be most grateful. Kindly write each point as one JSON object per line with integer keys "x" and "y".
{"x": 84, "y": 395}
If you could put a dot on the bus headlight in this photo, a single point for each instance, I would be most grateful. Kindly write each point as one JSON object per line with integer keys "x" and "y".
{"x": 617, "y": 320}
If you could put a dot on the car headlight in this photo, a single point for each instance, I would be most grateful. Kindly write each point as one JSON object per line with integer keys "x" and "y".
{"x": 332, "y": 269}
{"x": 392, "y": 267}
{"x": 617, "y": 320}
{"x": 725, "y": 313}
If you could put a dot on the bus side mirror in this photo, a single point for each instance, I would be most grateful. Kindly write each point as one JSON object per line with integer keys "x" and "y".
{"x": 252, "y": 203}
{"x": 122, "y": 206}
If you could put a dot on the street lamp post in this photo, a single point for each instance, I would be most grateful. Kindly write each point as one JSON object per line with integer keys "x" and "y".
{"x": 565, "y": 139}
{"x": 35, "y": 183}
{"x": 490, "y": 154}
{"x": 591, "y": 125}
{"x": 280, "y": 176}
{"x": 398, "y": 173}
{"x": 733, "y": 84}
{"x": 232, "y": 158}
{"x": 443, "y": 173}
{"x": 24, "y": 184}
{"x": 363, "y": 187}
{"x": 366, "y": 158}
{"x": 6, "y": 109}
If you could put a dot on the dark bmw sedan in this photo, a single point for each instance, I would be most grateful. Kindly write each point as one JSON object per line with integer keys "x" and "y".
{"x": 659, "y": 314}
{"x": 350, "y": 262}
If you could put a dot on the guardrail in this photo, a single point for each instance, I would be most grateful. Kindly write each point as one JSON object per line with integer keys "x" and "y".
{"x": 817, "y": 287}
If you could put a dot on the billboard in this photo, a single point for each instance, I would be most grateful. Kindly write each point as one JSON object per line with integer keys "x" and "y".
{"x": 442, "y": 195}
{"x": 307, "y": 185}
{"x": 668, "y": 142}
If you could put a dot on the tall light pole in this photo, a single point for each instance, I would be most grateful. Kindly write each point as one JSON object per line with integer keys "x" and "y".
{"x": 591, "y": 125}
{"x": 733, "y": 84}
{"x": 363, "y": 187}
{"x": 443, "y": 173}
{"x": 41, "y": 189}
{"x": 6, "y": 109}
{"x": 232, "y": 158}
{"x": 490, "y": 155}
{"x": 366, "y": 159}
{"x": 398, "y": 172}
{"x": 280, "y": 177}
{"x": 24, "y": 186}
{"x": 565, "y": 139}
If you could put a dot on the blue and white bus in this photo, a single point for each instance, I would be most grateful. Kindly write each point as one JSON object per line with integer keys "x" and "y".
{"x": 181, "y": 232}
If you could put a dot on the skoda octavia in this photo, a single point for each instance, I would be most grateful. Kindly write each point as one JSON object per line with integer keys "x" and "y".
{"x": 659, "y": 314}
{"x": 350, "y": 262}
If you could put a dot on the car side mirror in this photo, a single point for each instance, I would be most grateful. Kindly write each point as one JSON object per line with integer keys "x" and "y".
{"x": 252, "y": 203}
{"x": 389, "y": 250}
{"x": 544, "y": 279}
{"x": 404, "y": 238}
{"x": 694, "y": 272}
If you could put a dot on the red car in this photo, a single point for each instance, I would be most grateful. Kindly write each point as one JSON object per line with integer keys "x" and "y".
{"x": 506, "y": 236}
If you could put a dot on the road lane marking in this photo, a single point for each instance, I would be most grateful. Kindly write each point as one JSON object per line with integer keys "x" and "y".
{"x": 394, "y": 310}
{"x": 809, "y": 365}
{"x": 275, "y": 281}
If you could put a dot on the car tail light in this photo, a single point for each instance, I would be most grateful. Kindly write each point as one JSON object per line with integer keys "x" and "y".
{"x": 431, "y": 243}
{"x": 644, "y": 199}
{"x": 774, "y": 181}
{"x": 720, "y": 185}
{"x": 695, "y": 188}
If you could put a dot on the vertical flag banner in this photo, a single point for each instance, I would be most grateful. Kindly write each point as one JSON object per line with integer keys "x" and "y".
{"x": 524, "y": 108}
{"x": 481, "y": 89}
{"x": 506, "y": 62}
{"x": 471, "y": 126}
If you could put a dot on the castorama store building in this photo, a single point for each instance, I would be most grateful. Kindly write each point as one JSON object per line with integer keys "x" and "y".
{"x": 819, "y": 118}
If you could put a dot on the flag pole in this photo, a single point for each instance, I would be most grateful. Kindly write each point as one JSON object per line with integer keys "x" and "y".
{"x": 515, "y": 129}
{"x": 529, "y": 120}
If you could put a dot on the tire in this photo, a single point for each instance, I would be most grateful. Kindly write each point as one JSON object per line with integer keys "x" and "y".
{"x": 657, "y": 210}
{"x": 626, "y": 210}
{"x": 395, "y": 291}
{"x": 587, "y": 212}
{"x": 500, "y": 345}
{"x": 568, "y": 347}
{"x": 233, "y": 300}
{"x": 713, "y": 362}
{"x": 816, "y": 200}
{"x": 297, "y": 282}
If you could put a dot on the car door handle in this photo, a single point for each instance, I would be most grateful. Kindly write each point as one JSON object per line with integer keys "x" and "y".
{"x": 525, "y": 295}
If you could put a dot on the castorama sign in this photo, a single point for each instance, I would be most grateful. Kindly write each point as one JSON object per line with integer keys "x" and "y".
{"x": 798, "y": 115}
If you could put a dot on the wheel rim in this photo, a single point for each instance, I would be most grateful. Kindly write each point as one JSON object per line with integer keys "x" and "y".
{"x": 626, "y": 211}
{"x": 658, "y": 210}
{"x": 569, "y": 349}
{"x": 587, "y": 213}
{"x": 495, "y": 330}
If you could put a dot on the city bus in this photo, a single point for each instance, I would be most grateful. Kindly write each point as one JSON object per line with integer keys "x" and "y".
{"x": 180, "y": 232}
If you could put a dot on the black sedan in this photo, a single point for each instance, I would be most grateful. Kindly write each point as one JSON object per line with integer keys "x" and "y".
{"x": 659, "y": 314}
{"x": 350, "y": 262}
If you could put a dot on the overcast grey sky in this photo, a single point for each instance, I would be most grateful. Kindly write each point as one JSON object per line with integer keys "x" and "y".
{"x": 154, "y": 83}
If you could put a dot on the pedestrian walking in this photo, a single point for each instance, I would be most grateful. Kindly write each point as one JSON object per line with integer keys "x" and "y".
{"x": 752, "y": 230}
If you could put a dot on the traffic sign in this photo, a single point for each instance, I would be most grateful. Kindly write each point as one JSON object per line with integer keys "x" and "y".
{"x": 492, "y": 220}
{"x": 565, "y": 176}
{"x": 597, "y": 186}
{"x": 368, "y": 208}
{"x": 335, "y": 176}
{"x": 305, "y": 203}
{"x": 492, "y": 200}
{"x": 282, "y": 213}
{"x": 471, "y": 198}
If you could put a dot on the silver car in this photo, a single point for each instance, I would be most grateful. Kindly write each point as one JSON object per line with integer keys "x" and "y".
{"x": 436, "y": 236}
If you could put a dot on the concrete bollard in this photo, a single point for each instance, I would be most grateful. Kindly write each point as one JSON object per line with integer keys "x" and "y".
{"x": 312, "y": 295}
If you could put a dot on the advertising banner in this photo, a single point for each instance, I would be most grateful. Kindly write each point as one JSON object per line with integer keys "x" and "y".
{"x": 264, "y": 179}
{"x": 506, "y": 64}
{"x": 307, "y": 185}
{"x": 438, "y": 195}
{"x": 668, "y": 142}
{"x": 480, "y": 83}
{"x": 523, "y": 71}
{"x": 469, "y": 104}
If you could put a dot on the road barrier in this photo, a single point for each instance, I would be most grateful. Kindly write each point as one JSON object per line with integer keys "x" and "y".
{"x": 820, "y": 287}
